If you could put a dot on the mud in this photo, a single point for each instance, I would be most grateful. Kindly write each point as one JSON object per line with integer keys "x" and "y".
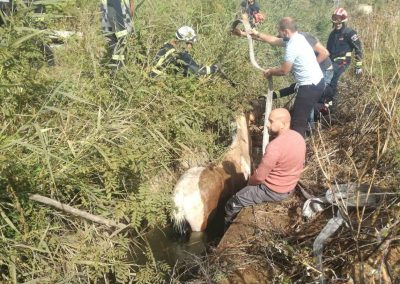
{"x": 234, "y": 250}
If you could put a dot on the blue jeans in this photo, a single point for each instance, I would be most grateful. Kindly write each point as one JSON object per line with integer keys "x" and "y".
{"x": 328, "y": 74}
{"x": 338, "y": 69}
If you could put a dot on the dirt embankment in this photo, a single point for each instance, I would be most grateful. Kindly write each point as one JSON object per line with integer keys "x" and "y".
{"x": 273, "y": 243}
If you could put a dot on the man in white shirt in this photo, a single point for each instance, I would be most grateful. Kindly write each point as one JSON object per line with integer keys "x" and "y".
{"x": 301, "y": 60}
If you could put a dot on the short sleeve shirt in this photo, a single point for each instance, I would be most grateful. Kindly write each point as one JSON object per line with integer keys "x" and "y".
{"x": 305, "y": 69}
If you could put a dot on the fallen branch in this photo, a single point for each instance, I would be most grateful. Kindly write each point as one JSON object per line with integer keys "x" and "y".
{"x": 76, "y": 212}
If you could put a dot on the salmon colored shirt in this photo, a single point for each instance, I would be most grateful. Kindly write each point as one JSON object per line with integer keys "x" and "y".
{"x": 282, "y": 163}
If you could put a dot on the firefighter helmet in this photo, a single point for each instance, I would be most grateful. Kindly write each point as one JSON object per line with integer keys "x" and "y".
{"x": 339, "y": 16}
{"x": 186, "y": 34}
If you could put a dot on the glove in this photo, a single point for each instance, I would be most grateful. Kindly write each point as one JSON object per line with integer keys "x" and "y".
{"x": 276, "y": 94}
{"x": 358, "y": 71}
{"x": 258, "y": 17}
{"x": 214, "y": 68}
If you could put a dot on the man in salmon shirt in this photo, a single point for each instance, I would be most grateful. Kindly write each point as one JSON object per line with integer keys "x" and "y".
{"x": 279, "y": 170}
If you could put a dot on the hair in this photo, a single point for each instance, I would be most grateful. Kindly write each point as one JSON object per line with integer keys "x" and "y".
{"x": 287, "y": 23}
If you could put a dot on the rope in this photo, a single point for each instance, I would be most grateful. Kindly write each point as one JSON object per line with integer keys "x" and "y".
{"x": 268, "y": 97}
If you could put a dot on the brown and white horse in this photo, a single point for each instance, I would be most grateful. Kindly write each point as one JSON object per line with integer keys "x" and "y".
{"x": 200, "y": 190}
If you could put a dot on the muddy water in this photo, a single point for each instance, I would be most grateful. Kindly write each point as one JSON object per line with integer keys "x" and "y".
{"x": 167, "y": 246}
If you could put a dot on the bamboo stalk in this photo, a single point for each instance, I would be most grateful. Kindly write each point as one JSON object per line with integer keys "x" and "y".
{"x": 76, "y": 212}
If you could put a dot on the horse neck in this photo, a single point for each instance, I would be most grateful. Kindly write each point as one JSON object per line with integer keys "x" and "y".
{"x": 239, "y": 150}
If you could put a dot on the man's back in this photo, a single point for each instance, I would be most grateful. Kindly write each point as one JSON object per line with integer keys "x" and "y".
{"x": 299, "y": 52}
{"x": 282, "y": 163}
{"x": 289, "y": 150}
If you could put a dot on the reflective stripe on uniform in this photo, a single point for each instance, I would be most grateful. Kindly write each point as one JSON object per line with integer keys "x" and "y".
{"x": 359, "y": 63}
{"x": 208, "y": 70}
{"x": 121, "y": 33}
{"x": 348, "y": 54}
{"x": 161, "y": 60}
{"x": 158, "y": 72}
{"x": 118, "y": 57}
{"x": 164, "y": 57}
{"x": 339, "y": 58}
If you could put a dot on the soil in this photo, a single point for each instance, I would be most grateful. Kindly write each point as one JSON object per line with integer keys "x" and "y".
{"x": 272, "y": 242}
{"x": 277, "y": 219}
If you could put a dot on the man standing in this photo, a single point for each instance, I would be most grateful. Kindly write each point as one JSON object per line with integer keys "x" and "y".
{"x": 325, "y": 63}
{"x": 342, "y": 42}
{"x": 279, "y": 170}
{"x": 301, "y": 60}
{"x": 175, "y": 54}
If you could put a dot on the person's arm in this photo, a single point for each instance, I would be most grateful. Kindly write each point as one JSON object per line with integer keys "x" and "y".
{"x": 272, "y": 40}
{"x": 283, "y": 70}
{"x": 322, "y": 52}
{"x": 192, "y": 67}
{"x": 267, "y": 164}
{"x": 284, "y": 92}
{"x": 355, "y": 43}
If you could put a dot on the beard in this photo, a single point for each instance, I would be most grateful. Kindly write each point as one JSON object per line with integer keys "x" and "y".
{"x": 272, "y": 133}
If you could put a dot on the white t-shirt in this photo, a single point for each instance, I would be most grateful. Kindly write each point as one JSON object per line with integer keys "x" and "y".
{"x": 305, "y": 69}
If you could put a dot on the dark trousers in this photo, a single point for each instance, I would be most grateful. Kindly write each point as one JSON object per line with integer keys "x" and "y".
{"x": 249, "y": 196}
{"x": 307, "y": 97}
{"x": 338, "y": 69}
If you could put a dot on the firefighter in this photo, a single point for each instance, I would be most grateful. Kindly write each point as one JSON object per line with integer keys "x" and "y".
{"x": 342, "y": 42}
{"x": 116, "y": 22}
{"x": 175, "y": 54}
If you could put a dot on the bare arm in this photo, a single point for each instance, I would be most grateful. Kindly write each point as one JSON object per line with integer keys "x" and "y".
{"x": 272, "y": 40}
{"x": 283, "y": 70}
{"x": 323, "y": 53}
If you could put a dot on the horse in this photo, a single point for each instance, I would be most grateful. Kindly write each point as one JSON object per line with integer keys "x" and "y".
{"x": 200, "y": 191}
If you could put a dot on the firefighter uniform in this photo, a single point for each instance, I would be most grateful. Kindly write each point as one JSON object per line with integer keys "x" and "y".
{"x": 341, "y": 43}
{"x": 116, "y": 23}
{"x": 180, "y": 61}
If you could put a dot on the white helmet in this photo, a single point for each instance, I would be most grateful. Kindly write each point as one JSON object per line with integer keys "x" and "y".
{"x": 187, "y": 34}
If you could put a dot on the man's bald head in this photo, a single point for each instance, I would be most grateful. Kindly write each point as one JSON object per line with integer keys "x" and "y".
{"x": 278, "y": 121}
{"x": 281, "y": 114}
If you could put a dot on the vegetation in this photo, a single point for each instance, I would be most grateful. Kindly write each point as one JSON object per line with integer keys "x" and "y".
{"x": 113, "y": 143}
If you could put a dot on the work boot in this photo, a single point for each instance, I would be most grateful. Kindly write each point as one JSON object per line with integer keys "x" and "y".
{"x": 232, "y": 208}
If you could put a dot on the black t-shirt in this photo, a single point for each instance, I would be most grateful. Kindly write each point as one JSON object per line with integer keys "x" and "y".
{"x": 312, "y": 40}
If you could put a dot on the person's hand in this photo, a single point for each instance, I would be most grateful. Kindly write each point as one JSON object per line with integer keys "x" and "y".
{"x": 258, "y": 17}
{"x": 268, "y": 73}
{"x": 358, "y": 71}
{"x": 253, "y": 32}
{"x": 237, "y": 32}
